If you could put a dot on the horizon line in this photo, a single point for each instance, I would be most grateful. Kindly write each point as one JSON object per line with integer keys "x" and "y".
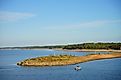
{"x": 64, "y": 44}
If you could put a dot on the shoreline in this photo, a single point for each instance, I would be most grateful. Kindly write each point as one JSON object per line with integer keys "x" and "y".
{"x": 88, "y": 50}
{"x": 73, "y": 50}
{"x": 69, "y": 61}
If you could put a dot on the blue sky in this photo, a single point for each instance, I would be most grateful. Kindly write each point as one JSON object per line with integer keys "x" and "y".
{"x": 43, "y": 22}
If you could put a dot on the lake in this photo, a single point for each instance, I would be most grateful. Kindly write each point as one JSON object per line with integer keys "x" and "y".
{"x": 109, "y": 69}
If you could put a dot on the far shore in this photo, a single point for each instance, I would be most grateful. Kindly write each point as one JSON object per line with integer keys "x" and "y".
{"x": 88, "y": 50}
{"x": 73, "y": 50}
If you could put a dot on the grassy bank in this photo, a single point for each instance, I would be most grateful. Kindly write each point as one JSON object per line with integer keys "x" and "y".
{"x": 61, "y": 60}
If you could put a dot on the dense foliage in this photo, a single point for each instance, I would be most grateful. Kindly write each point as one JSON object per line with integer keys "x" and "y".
{"x": 116, "y": 46}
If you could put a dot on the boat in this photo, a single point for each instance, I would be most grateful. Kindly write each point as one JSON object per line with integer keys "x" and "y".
{"x": 77, "y": 68}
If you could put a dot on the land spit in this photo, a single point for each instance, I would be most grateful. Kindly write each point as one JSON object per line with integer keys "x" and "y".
{"x": 62, "y": 60}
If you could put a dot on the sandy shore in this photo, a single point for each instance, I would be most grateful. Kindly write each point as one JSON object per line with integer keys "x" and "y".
{"x": 75, "y": 50}
{"x": 89, "y": 50}
{"x": 68, "y": 61}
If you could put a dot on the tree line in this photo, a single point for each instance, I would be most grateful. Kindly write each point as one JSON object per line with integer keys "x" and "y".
{"x": 115, "y": 46}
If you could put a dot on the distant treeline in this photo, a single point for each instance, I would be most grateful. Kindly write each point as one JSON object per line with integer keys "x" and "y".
{"x": 115, "y": 46}
{"x": 35, "y": 47}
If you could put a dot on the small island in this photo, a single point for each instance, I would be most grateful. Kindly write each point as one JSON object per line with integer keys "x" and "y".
{"x": 62, "y": 60}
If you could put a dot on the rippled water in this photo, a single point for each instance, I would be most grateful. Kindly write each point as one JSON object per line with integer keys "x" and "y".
{"x": 95, "y": 70}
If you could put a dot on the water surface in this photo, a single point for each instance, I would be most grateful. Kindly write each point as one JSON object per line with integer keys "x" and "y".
{"x": 109, "y": 69}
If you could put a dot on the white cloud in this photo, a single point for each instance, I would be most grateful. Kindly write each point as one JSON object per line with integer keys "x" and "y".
{"x": 14, "y": 16}
{"x": 99, "y": 23}
{"x": 96, "y": 23}
{"x": 92, "y": 24}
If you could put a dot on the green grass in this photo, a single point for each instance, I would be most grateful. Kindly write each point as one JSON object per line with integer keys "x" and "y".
{"x": 50, "y": 58}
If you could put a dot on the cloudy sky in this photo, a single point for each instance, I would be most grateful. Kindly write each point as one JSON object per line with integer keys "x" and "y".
{"x": 43, "y": 22}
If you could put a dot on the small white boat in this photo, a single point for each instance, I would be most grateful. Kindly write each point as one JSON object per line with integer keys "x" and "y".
{"x": 77, "y": 68}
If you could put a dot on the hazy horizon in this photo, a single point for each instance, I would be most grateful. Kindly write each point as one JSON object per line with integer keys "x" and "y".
{"x": 62, "y": 44}
{"x": 49, "y": 22}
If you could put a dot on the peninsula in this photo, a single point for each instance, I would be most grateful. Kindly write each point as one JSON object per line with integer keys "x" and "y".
{"x": 61, "y": 60}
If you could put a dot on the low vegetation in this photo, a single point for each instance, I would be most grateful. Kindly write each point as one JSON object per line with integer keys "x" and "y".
{"x": 46, "y": 60}
{"x": 60, "y": 60}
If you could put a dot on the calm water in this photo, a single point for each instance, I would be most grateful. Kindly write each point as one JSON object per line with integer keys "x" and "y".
{"x": 94, "y": 70}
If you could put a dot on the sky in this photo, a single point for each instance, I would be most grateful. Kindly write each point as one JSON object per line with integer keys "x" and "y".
{"x": 45, "y": 22}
